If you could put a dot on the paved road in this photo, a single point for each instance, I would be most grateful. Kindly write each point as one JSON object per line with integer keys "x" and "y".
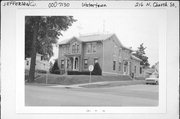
{"x": 134, "y": 95}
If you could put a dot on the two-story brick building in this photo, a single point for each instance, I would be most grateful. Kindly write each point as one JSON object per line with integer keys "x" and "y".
{"x": 77, "y": 53}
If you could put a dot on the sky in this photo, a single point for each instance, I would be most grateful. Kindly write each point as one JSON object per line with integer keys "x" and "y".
{"x": 131, "y": 28}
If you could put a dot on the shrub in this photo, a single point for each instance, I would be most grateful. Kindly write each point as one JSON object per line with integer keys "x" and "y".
{"x": 97, "y": 70}
{"x": 78, "y": 73}
{"x": 55, "y": 69}
{"x": 56, "y": 72}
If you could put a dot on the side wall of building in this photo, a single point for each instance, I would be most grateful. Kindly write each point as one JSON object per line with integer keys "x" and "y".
{"x": 135, "y": 68}
{"x": 111, "y": 58}
{"x": 126, "y": 62}
{"x": 40, "y": 64}
{"x": 92, "y": 56}
{"x": 115, "y": 57}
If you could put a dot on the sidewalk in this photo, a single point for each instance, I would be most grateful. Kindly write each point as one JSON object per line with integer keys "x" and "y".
{"x": 79, "y": 85}
{"x": 96, "y": 84}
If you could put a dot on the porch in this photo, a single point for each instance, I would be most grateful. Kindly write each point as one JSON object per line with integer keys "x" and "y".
{"x": 73, "y": 63}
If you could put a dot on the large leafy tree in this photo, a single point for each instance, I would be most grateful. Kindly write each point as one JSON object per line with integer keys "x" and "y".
{"x": 140, "y": 53}
{"x": 41, "y": 32}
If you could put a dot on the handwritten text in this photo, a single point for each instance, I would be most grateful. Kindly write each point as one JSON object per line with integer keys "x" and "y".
{"x": 155, "y": 4}
{"x": 19, "y": 3}
{"x": 93, "y": 5}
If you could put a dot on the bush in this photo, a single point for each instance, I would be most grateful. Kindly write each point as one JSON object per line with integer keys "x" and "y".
{"x": 78, "y": 73}
{"x": 56, "y": 72}
{"x": 55, "y": 69}
{"x": 97, "y": 70}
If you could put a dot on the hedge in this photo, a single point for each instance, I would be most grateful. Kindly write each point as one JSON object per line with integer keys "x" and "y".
{"x": 78, "y": 73}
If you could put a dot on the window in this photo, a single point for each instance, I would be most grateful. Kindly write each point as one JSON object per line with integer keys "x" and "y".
{"x": 140, "y": 70}
{"x": 114, "y": 65}
{"x": 73, "y": 48}
{"x": 134, "y": 69}
{"x": 27, "y": 63}
{"x": 95, "y": 60}
{"x": 85, "y": 63}
{"x": 64, "y": 50}
{"x": 67, "y": 64}
{"x": 91, "y": 47}
{"x": 77, "y": 48}
{"x": 94, "y": 48}
{"x": 41, "y": 58}
{"x": 119, "y": 66}
{"x": 67, "y": 49}
{"x": 119, "y": 52}
{"x": 115, "y": 50}
{"x": 124, "y": 68}
{"x": 62, "y": 64}
{"x": 88, "y": 48}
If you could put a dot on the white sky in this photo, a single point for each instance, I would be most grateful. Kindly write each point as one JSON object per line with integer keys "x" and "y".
{"x": 132, "y": 29}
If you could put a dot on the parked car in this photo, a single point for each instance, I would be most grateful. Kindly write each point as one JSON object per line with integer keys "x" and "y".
{"x": 153, "y": 79}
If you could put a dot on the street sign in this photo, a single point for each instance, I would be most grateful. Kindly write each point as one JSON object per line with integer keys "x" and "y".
{"x": 91, "y": 67}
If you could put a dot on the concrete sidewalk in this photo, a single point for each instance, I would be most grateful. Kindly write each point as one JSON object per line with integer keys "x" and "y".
{"x": 99, "y": 83}
{"x": 80, "y": 85}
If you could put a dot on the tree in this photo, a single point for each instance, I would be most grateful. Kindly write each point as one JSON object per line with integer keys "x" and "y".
{"x": 55, "y": 68}
{"x": 97, "y": 69}
{"x": 41, "y": 32}
{"x": 140, "y": 53}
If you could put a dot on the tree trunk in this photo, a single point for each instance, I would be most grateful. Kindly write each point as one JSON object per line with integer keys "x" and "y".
{"x": 33, "y": 55}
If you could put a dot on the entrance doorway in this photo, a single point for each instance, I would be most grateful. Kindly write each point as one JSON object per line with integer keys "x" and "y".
{"x": 76, "y": 64}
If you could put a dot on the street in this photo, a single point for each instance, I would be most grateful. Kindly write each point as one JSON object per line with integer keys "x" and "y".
{"x": 133, "y": 95}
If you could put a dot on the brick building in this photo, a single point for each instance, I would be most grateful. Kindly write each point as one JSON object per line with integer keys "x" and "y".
{"x": 77, "y": 53}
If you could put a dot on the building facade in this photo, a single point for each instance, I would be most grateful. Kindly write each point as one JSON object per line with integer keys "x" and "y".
{"x": 76, "y": 54}
{"x": 41, "y": 63}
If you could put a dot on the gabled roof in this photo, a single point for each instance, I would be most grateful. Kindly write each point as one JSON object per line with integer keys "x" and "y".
{"x": 89, "y": 38}
{"x": 94, "y": 37}
{"x": 66, "y": 41}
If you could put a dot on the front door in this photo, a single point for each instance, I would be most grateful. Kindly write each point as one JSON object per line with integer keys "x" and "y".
{"x": 76, "y": 64}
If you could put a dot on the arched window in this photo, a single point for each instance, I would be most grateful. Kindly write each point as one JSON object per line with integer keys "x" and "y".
{"x": 77, "y": 49}
{"x": 73, "y": 48}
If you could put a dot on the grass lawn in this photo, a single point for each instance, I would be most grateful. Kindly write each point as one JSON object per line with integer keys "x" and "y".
{"x": 77, "y": 79}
